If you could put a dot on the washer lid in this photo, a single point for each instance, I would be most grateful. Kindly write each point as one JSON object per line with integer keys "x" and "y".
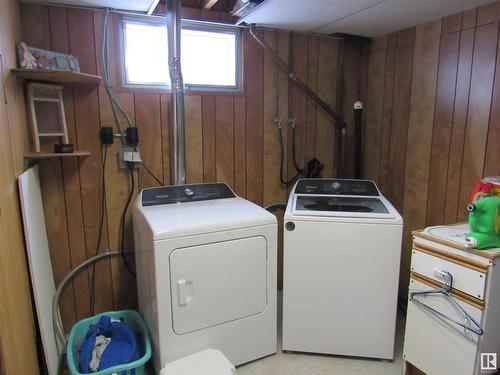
{"x": 341, "y": 198}
{"x": 342, "y": 206}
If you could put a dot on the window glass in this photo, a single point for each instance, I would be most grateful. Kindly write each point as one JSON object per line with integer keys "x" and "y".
{"x": 209, "y": 56}
{"x": 146, "y": 54}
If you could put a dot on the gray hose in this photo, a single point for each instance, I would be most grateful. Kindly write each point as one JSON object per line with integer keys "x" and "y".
{"x": 275, "y": 207}
{"x": 56, "y": 316}
{"x": 107, "y": 81}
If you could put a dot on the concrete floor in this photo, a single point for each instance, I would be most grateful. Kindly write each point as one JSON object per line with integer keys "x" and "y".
{"x": 312, "y": 364}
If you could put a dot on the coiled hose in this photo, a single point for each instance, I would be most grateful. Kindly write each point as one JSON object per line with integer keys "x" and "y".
{"x": 56, "y": 316}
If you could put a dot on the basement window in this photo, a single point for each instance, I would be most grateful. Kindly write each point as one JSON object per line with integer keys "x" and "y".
{"x": 146, "y": 54}
{"x": 210, "y": 55}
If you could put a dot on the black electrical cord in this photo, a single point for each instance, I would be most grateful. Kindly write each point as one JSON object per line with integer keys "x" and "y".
{"x": 123, "y": 218}
{"x": 282, "y": 159}
{"x": 101, "y": 225}
{"x": 151, "y": 173}
{"x": 294, "y": 154}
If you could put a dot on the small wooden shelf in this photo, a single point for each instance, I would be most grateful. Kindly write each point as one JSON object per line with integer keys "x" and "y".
{"x": 57, "y": 76}
{"x": 51, "y": 134}
{"x": 47, "y": 155}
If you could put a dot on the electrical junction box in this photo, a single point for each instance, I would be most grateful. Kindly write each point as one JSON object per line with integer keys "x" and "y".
{"x": 129, "y": 156}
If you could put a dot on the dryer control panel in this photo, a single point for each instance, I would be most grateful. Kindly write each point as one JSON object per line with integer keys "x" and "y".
{"x": 185, "y": 193}
{"x": 336, "y": 186}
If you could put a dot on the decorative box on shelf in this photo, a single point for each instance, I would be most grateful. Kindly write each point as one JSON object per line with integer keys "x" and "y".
{"x": 46, "y": 109}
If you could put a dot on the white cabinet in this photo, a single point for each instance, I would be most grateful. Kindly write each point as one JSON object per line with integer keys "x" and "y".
{"x": 434, "y": 342}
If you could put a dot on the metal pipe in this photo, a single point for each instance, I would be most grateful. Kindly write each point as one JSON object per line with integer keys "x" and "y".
{"x": 174, "y": 27}
{"x": 357, "y": 114}
{"x": 293, "y": 78}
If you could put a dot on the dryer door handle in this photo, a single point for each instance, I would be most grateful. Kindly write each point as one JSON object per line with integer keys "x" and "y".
{"x": 184, "y": 291}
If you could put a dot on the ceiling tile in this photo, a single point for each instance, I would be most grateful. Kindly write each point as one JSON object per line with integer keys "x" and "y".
{"x": 358, "y": 17}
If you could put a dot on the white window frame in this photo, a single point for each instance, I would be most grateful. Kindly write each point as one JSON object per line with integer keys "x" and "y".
{"x": 191, "y": 25}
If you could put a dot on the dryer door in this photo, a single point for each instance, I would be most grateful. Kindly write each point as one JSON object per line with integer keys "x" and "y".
{"x": 217, "y": 283}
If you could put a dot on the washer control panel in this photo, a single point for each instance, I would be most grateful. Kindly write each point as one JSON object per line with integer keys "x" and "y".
{"x": 185, "y": 193}
{"x": 334, "y": 186}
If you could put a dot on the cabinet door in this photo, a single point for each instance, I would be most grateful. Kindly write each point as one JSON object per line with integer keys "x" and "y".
{"x": 217, "y": 283}
{"x": 437, "y": 346}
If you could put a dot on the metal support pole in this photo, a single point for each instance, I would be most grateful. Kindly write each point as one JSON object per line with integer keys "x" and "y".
{"x": 174, "y": 28}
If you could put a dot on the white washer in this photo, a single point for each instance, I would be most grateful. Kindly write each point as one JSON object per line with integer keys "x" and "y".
{"x": 206, "y": 272}
{"x": 342, "y": 248}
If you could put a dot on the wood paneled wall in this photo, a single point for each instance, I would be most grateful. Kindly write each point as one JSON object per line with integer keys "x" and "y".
{"x": 230, "y": 137}
{"x": 17, "y": 330}
{"x": 433, "y": 120}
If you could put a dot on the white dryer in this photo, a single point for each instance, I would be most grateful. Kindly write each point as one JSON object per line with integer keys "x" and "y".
{"x": 206, "y": 272}
{"x": 342, "y": 248}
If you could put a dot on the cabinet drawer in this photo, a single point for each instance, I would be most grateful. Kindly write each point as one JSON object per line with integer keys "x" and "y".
{"x": 437, "y": 346}
{"x": 468, "y": 280}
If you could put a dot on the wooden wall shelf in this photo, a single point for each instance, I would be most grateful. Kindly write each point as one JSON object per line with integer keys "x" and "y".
{"x": 57, "y": 76}
{"x": 47, "y": 155}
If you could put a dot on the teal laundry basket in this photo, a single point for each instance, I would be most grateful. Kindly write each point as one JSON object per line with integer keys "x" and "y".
{"x": 134, "y": 321}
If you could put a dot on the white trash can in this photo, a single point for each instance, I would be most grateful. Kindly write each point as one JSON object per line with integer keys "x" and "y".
{"x": 207, "y": 362}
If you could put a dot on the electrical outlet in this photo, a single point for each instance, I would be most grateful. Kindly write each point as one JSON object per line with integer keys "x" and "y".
{"x": 129, "y": 156}
{"x": 132, "y": 157}
{"x": 107, "y": 135}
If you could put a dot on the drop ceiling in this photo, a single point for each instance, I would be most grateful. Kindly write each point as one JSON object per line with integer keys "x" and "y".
{"x": 368, "y": 18}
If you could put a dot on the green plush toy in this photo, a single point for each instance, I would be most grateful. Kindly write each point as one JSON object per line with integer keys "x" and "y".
{"x": 484, "y": 222}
